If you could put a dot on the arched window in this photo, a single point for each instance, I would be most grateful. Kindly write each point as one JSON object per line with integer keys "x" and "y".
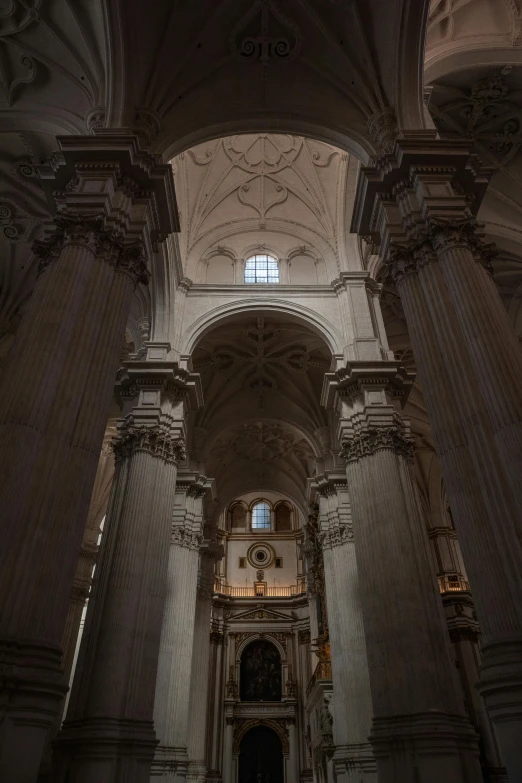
{"x": 237, "y": 516}
{"x": 283, "y": 519}
{"x": 261, "y": 269}
{"x": 260, "y": 672}
{"x": 261, "y": 517}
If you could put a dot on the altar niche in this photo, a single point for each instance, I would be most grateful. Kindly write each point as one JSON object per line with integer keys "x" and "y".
{"x": 260, "y": 673}
{"x": 260, "y": 757}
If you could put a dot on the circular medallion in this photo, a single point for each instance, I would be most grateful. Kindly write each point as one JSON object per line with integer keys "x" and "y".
{"x": 261, "y": 555}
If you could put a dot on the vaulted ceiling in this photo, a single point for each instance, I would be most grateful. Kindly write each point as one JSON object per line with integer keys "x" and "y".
{"x": 279, "y": 193}
{"x": 262, "y": 382}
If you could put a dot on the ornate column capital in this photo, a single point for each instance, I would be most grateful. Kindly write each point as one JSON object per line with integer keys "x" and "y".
{"x": 422, "y": 189}
{"x": 440, "y": 236}
{"x": 158, "y": 441}
{"x": 369, "y": 441}
{"x": 110, "y": 175}
{"x": 181, "y": 536}
{"x": 84, "y": 230}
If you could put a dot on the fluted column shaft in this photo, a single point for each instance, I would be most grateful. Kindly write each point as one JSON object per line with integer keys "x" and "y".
{"x": 54, "y": 402}
{"x": 201, "y": 675}
{"x": 420, "y": 733}
{"x": 109, "y": 735}
{"x": 413, "y": 683}
{"x": 175, "y": 658}
{"x": 470, "y": 387}
{"x": 352, "y": 705}
{"x": 470, "y": 366}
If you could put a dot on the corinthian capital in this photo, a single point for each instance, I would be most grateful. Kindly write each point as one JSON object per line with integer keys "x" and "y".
{"x": 157, "y": 441}
{"x": 467, "y": 232}
{"x": 371, "y": 440}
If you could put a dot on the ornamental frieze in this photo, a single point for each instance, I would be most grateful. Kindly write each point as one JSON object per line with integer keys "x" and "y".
{"x": 337, "y": 536}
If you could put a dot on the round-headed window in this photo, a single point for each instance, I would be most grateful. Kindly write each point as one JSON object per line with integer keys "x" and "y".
{"x": 261, "y": 268}
{"x": 261, "y": 516}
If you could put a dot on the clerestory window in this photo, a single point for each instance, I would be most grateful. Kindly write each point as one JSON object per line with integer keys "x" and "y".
{"x": 261, "y": 516}
{"x": 261, "y": 269}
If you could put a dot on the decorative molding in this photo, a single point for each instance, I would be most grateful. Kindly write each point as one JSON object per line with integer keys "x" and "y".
{"x": 156, "y": 441}
{"x": 370, "y": 441}
{"x": 383, "y": 129}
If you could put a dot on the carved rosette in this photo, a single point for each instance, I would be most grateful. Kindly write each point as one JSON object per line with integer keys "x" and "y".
{"x": 88, "y": 232}
{"x": 370, "y": 441}
{"x": 156, "y": 441}
{"x": 180, "y": 536}
{"x": 441, "y": 236}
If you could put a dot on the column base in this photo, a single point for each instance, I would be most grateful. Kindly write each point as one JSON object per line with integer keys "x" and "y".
{"x": 32, "y": 688}
{"x": 170, "y": 764}
{"x": 500, "y": 685}
{"x": 427, "y": 747}
{"x": 197, "y": 772}
{"x": 105, "y": 750}
{"x": 354, "y": 763}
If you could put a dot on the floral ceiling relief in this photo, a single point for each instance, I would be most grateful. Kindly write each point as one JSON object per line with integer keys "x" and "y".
{"x": 248, "y": 188}
{"x": 259, "y": 356}
{"x": 263, "y": 442}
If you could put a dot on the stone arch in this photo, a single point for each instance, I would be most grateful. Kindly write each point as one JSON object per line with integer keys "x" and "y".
{"x": 253, "y": 307}
{"x": 275, "y": 725}
{"x": 259, "y": 635}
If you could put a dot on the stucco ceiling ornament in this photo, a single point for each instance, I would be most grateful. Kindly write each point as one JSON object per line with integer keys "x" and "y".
{"x": 265, "y": 34}
{"x": 263, "y": 442}
{"x": 488, "y": 113}
{"x": 16, "y": 68}
{"x": 263, "y": 153}
{"x": 263, "y": 358}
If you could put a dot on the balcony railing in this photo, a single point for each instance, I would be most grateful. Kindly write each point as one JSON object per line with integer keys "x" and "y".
{"x": 453, "y": 584}
{"x": 259, "y": 590}
{"x": 323, "y": 671}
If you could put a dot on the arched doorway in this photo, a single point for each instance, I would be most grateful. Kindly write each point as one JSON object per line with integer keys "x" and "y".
{"x": 261, "y": 757}
{"x": 260, "y": 672}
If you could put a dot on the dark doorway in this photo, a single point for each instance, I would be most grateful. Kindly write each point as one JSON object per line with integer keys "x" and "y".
{"x": 261, "y": 757}
{"x": 260, "y": 672}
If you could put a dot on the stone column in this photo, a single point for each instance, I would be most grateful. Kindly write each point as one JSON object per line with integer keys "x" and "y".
{"x": 200, "y": 677}
{"x": 109, "y": 733}
{"x": 171, "y": 704}
{"x": 54, "y": 398}
{"x": 351, "y": 704}
{"x": 293, "y": 761}
{"x": 420, "y": 731}
{"x": 470, "y": 367}
{"x": 228, "y": 747}
{"x": 217, "y": 639}
{"x": 88, "y": 553}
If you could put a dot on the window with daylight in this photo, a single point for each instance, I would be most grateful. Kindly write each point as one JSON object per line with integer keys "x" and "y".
{"x": 261, "y": 269}
{"x": 261, "y": 516}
